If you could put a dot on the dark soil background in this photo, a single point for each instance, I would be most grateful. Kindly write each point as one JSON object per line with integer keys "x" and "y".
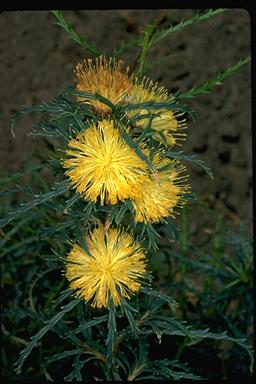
{"x": 37, "y": 61}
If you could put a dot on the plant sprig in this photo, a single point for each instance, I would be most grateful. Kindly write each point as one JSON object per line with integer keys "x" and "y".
{"x": 74, "y": 35}
{"x": 160, "y": 35}
{"x": 210, "y": 84}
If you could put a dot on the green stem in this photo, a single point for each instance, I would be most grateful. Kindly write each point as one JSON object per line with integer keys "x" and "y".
{"x": 146, "y": 43}
{"x": 181, "y": 348}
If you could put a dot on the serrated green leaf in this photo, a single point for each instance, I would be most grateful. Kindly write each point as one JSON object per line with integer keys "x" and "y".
{"x": 159, "y": 295}
{"x": 180, "y": 155}
{"x": 74, "y": 35}
{"x": 90, "y": 324}
{"x": 93, "y": 96}
{"x": 195, "y": 19}
{"x": 65, "y": 294}
{"x": 36, "y": 338}
{"x": 42, "y": 198}
{"x": 173, "y": 106}
{"x": 63, "y": 355}
{"x": 210, "y": 84}
{"x": 123, "y": 46}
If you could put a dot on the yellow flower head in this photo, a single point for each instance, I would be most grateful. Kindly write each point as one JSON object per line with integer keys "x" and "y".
{"x": 105, "y": 77}
{"x": 160, "y": 194}
{"x": 167, "y": 123}
{"x": 113, "y": 270}
{"x": 101, "y": 164}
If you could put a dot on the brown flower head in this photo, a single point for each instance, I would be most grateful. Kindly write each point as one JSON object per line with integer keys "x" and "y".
{"x": 105, "y": 77}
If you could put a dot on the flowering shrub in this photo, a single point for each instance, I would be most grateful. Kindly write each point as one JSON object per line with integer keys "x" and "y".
{"x": 118, "y": 182}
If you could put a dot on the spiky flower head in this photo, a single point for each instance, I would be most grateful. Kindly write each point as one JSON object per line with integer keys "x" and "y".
{"x": 113, "y": 269}
{"x": 160, "y": 193}
{"x": 101, "y": 165}
{"x": 105, "y": 77}
{"x": 167, "y": 123}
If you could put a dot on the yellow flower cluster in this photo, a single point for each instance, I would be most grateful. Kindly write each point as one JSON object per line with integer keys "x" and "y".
{"x": 104, "y": 169}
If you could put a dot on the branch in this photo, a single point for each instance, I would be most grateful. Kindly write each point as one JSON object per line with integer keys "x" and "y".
{"x": 209, "y": 85}
{"x": 146, "y": 42}
{"x": 73, "y": 35}
{"x": 162, "y": 34}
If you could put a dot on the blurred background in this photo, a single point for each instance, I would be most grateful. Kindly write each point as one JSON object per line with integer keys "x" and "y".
{"x": 37, "y": 62}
